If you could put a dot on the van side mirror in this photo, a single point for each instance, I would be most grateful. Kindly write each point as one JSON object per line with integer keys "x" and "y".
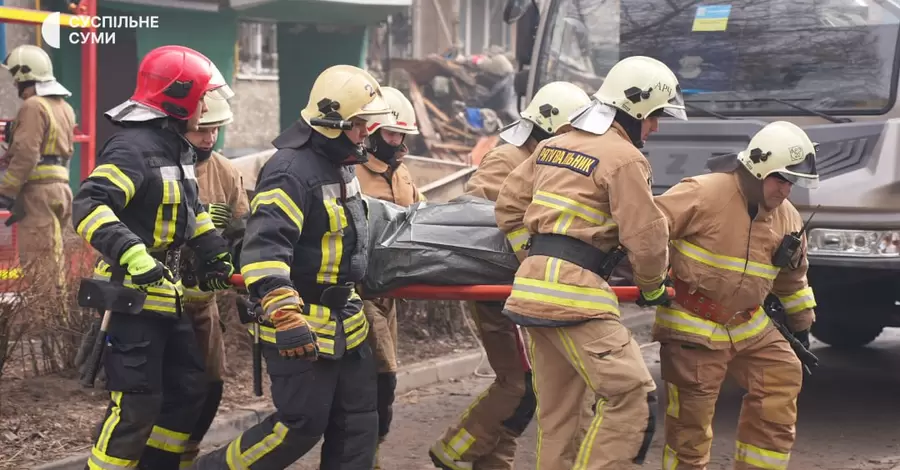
{"x": 514, "y": 10}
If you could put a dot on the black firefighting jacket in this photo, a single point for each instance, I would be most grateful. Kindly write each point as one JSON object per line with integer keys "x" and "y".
{"x": 143, "y": 191}
{"x": 307, "y": 230}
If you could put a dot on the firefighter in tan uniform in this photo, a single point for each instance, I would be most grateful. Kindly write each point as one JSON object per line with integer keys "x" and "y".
{"x": 385, "y": 177}
{"x": 222, "y": 191}
{"x": 580, "y": 196}
{"x": 727, "y": 231}
{"x": 36, "y": 183}
{"x": 485, "y": 436}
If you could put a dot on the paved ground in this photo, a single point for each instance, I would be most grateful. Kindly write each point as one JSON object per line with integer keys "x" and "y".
{"x": 849, "y": 415}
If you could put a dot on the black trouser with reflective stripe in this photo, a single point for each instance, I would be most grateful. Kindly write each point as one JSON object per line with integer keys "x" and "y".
{"x": 157, "y": 385}
{"x": 334, "y": 398}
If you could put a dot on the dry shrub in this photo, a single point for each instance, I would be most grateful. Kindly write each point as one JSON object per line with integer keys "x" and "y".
{"x": 45, "y": 321}
{"x": 430, "y": 319}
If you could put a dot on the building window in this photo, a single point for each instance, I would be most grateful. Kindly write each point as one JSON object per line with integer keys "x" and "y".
{"x": 481, "y": 26}
{"x": 257, "y": 49}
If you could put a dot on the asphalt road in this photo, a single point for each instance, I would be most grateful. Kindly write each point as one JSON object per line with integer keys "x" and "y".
{"x": 849, "y": 415}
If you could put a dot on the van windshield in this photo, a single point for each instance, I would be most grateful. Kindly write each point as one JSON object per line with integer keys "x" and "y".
{"x": 834, "y": 56}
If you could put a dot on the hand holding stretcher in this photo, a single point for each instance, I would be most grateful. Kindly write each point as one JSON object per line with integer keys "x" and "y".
{"x": 426, "y": 292}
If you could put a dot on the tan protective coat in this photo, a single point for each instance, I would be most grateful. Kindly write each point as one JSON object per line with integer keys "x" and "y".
{"x": 565, "y": 188}
{"x": 495, "y": 167}
{"x": 378, "y": 181}
{"x": 219, "y": 183}
{"x": 712, "y": 241}
{"x": 44, "y": 126}
{"x": 718, "y": 251}
{"x": 595, "y": 189}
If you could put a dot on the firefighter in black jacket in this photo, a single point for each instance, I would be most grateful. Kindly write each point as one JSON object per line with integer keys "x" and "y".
{"x": 304, "y": 249}
{"x": 137, "y": 207}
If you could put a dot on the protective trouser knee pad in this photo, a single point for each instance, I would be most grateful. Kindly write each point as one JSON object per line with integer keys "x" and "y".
{"x": 651, "y": 428}
{"x": 387, "y": 384}
{"x": 524, "y": 413}
{"x": 209, "y": 410}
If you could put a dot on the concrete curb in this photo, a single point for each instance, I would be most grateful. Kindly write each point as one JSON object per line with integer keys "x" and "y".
{"x": 227, "y": 427}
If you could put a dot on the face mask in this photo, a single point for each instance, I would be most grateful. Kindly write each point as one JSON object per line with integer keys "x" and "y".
{"x": 341, "y": 150}
{"x": 382, "y": 150}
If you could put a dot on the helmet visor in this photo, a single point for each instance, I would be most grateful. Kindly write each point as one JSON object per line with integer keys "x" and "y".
{"x": 217, "y": 86}
{"x": 377, "y": 110}
{"x": 802, "y": 173}
{"x": 675, "y": 106}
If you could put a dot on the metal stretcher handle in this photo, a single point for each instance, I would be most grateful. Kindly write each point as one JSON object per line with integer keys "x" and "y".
{"x": 478, "y": 292}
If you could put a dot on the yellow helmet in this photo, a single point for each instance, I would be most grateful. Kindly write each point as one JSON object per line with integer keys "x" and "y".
{"x": 782, "y": 148}
{"x": 218, "y": 113}
{"x": 549, "y": 110}
{"x": 343, "y": 92}
{"x": 402, "y": 111}
{"x": 640, "y": 86}
{"x": 29, "y": 63}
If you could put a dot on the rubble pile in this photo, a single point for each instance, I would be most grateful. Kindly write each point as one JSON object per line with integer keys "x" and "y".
{"x": 461, "y": 104}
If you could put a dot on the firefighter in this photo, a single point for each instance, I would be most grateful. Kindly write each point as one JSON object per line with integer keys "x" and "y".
{"x": 137, "y": 208}
{"x": 385, "y": 177}
{"x": 485, "y": 437}
{"x": 36, "y": 184}
{"x": 581, "y": 195}
{"x": 222, "y": 189}
{"x": 731, "y": 233}
{"x": 303, "y": 251}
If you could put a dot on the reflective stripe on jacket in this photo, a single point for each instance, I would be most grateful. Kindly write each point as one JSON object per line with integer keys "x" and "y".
{"x": 595, "y": 188}
{"x": 44, "y": 126}
{"x": 322, "y": 321}
{"x": 308, "y": 230}
{"x": 718, "y": 251}
{"x": 143, "y": 190}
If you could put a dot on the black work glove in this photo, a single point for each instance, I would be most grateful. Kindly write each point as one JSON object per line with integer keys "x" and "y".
{"x": 216, "y": 274}
{"x": 802, "y": 337}
{"x": 658, "y": 297}
{"x": 6, "y": 202}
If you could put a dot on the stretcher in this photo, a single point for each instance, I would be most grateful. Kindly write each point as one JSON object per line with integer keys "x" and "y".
{"x": 477, "y": 292}
{"x": 471, "y": 293}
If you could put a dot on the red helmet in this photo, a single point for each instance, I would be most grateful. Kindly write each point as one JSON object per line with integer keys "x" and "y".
{"x": 173, "y": 80}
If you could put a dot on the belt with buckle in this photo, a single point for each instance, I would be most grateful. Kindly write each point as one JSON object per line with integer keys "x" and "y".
{"x": 333, "y": 296}
{"x": 706, "y": 308}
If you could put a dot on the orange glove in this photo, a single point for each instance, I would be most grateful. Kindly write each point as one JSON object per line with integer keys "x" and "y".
{"x": 293, "y": 336}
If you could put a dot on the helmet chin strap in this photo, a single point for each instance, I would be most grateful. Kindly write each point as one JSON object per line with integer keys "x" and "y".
{"x": 632, "y": 127}
{"x": 340, "y": 150}
{"x": 752, "y": 187}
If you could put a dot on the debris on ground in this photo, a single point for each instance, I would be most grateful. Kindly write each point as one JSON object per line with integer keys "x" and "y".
{"x": 461, "y": 104}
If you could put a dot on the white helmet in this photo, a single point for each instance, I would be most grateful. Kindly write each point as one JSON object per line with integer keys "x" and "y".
{"x": 640, "y": 86}
{"x": 218, "y": 113}
{"x": 549, "y": 110}
{"x": 28, "y": 63}
{"x": 782, "y": 148}
{"x": 401, "y": 109}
